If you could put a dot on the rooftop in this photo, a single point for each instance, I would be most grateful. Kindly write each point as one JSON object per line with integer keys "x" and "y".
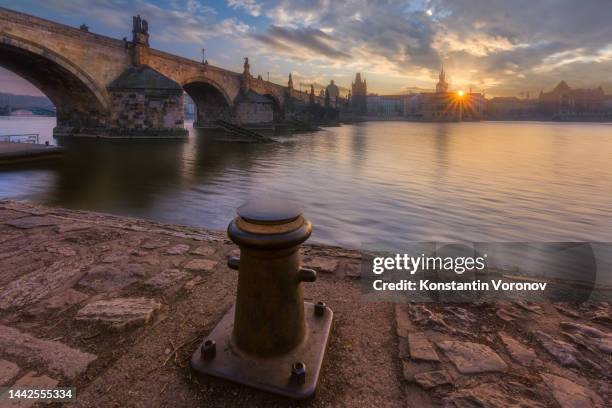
{"x": 144, "y": 77}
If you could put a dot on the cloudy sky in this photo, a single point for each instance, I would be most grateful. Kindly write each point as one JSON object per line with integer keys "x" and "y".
{"x": 501, "y": 47}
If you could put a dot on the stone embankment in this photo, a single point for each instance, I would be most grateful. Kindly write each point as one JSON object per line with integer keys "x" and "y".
{"x": 115, "y": 306}
{"x": 12, "y": 153}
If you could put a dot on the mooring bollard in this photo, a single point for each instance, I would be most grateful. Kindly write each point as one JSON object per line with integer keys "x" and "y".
{"x": 271, "y": 339}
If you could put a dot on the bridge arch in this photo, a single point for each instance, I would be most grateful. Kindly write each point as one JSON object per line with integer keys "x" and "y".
{"x": 276, "y": 106}
{"x": 80, "y": 102}
{"x": 211, "y": 100}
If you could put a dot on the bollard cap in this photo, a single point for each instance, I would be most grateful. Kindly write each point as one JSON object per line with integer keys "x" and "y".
{"x": 270, "y": 211}
{"x": 268, "y": 223}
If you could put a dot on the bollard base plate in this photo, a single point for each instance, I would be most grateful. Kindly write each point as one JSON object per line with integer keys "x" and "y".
{"x": 272, "y": 374}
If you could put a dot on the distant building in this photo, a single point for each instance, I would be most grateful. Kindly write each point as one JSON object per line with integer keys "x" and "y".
{"x": 359, "y": 92}
{"x": 565, "y": 102}
{"x": 445, "y": 106}
{"x": 386, "y": 105}
{"x": 511, "y": 108}
{"x": 21, "y": 112}
{"x": 190, "y": 107}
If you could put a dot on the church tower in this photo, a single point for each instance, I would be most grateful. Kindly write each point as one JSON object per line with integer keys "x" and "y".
{"x": 442, "y": 85}
{"x": 359, "y": 92}
{"x": 290, "y": 83}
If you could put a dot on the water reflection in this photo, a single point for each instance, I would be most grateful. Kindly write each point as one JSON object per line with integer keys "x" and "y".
{"x": 116, "y": 175}
{"x": 371, "y": 182}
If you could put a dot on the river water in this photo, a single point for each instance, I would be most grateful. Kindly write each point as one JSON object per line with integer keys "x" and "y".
{"x": 374, "y": 182}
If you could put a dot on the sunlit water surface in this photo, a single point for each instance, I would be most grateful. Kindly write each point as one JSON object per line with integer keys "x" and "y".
{"x": 376, "y": 182}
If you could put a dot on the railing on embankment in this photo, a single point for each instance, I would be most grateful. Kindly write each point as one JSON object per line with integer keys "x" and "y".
{"x": 20, "y": 138}
{"x": 23, "y": 148}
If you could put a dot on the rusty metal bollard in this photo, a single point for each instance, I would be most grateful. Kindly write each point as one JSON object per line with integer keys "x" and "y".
{"x": 271, "y": 339}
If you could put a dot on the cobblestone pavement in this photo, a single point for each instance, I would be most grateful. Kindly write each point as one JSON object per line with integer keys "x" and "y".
{"x": 115, "y": 306}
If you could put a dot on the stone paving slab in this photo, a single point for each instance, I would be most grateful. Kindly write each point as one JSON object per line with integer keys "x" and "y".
{"x": 41, "y": 283}
{"x": 33, "y": 222}
{"x": 420, "y": 348}
{"x": 119, "y": 313}
{"x": 6, "y": 215}
{"x": 519, "y": 352}
{"x": 200, "y": 265}
{"x": 568, "y": 394}
{"x": 432, "y": 379}
{"x": 73, "y": 226}
{"x": 155, "y": 244}
{"x": 106, "y": 278}
{"x": 203, "y": 251}
{"x": 489, "y": 395}
{"x": 167, "y": 278}
{"x": 322, "y": 264}
{"x": 565, "y": 353}
{"x": 65, "y": 299}
{"x": 8, "y": 372}
{"x": 588, "y": 336}
{"x": 52, "y": 356}
{"x": 472, "y": 358}
{"x": 178, "y": 249}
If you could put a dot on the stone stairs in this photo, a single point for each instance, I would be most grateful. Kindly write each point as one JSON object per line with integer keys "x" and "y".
{"x": 242, "y": 132}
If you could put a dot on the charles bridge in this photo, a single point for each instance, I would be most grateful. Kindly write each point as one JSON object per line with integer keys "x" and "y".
{"x": 104, "y": 86}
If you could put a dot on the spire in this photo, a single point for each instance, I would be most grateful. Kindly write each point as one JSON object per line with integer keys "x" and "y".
{"x": 290, "y": 83}
{"x": 442, "y": 85}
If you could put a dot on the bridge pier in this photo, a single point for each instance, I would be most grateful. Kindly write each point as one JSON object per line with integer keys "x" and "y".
{"x": 82, "y": 122}
{"x": 145, "y": 103}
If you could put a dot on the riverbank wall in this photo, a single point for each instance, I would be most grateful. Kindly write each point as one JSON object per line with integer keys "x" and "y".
{"x": 12, "y": 153}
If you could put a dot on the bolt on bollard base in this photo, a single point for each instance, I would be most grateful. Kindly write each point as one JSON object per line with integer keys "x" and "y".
{"x": 271, "y": 339}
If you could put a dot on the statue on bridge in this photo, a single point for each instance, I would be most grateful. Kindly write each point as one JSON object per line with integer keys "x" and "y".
{"x": 245, "y": 81}
{"x": 140, "y": 30}
{"x": 140, "y": 25}
{"x": 247, "y": 67}
{"x": 311, "y": 98}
